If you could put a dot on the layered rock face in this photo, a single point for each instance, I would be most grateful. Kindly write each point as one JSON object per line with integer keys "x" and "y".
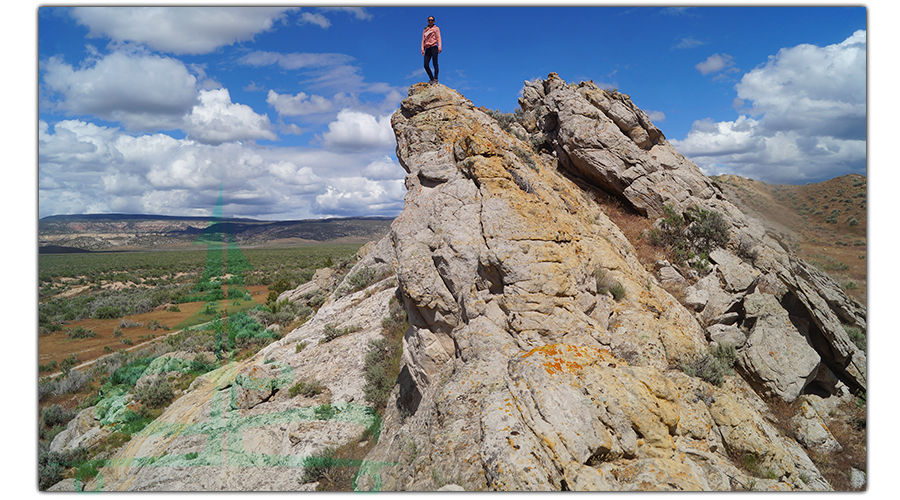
{"x": 543, "y": 356}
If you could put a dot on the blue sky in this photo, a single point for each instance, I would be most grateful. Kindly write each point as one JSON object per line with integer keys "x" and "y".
{"x": 288, "y": 109}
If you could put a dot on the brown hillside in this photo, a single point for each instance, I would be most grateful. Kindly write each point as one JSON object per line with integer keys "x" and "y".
{"x": 824, "y": 222}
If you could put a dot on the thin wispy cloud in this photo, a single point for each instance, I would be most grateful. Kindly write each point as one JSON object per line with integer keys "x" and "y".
{"x": 688, "y": 43}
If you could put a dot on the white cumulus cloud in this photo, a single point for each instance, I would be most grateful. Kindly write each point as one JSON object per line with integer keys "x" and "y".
{"x": 804, "y": 118}
{"x": 384, "y": 169}
{"x": 87, "y": 168}
{"x": 358, "y": 130}
{"x": 178, "y": 30}
{"x": 299, "y": 104}
{"x": 142, "y": 91}
{"x": 216, "y": 120}
{"x": 355, "y": 195}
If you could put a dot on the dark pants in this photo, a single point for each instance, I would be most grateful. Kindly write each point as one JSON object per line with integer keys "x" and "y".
{"x": 432, "y": 54}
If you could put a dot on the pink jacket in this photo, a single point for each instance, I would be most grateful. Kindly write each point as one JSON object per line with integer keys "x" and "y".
{"x": 430, "y": 37}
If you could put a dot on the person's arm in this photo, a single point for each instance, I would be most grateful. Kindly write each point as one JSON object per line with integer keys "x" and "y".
{"x": 438, "y": 32}
{"x": 423, "y": 40}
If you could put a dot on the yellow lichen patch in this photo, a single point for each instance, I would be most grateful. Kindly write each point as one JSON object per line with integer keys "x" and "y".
{"x": 560, "y": 358}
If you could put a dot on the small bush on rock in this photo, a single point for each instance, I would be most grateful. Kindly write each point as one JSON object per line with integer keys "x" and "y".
{"x": 605, "y": 284}
{"x": 309, "y": 388}
{"x": 382, "y": 363}
{"x": 715, "y": 365}
{"x": 690, "y": 236}
{"x": 156, "y": 394}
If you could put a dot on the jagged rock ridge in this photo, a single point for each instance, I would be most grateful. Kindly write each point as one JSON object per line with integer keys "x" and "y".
{"x": 524, "y": 374}
{"x": 541, "y": 354}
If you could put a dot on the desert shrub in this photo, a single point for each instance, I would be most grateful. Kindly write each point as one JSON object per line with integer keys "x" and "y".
{"x": 280, "y": 286}
{"x": 714, "y": 366}
{"x": 315, "y": 299}
{"x": 239, "y": 331}
{"x": 690, "y": 235}
{"x": 157, "y": 393}
{"x": 331, "y": 332}
{"x": 200, "y": 365}
{"x": 669, "y": 228}
{"x": 128, "y": 374}
{"x": 68, "y": 363}
{"x": 53, "y": 464}
{"x": 361, "y": 280}
{"x": 154, "y": 325}
{"x": 107, "y": 312}
{"x": 49, "y": 367}
{"x": 857, "y": 336}
{"x": 605, "y": 284}
{"x": 308, "y": 387}
{"x": 506, "y": 120}
{"x": 617, "y": 290}
{"x": 319, "y": 466}
{"x": 746, "y": 251}
{"x": 54, "y": 415}
{"x": 79, "y": 332}
{"x": 71, "y": 382}
{"x": 85, "y": 470}
{"x": 707, "y": 229}
{"x": 382, "y": 362}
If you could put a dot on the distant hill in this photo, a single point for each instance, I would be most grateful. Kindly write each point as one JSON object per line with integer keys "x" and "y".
{"x": 825, "y": 222}
{"x": 104, "y": 232}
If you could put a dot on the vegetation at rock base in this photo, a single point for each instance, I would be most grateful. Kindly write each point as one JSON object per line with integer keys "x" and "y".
{"x": 382, "y": 363}
{"x": 360, "y": 280}
{"x": 714, "y": 366}
{"x": 331, "y": 332}
{"x": 689, "y": 237}
{"x": 337, "y": 468}
{"x": 857, "y": 336}
{"x": 309, "y": 388}
{"x": 605, "y": 285}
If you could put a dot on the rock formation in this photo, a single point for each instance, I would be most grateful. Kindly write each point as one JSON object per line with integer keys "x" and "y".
{"x": 541, "y": 353}
{"x": 525, "y": 373}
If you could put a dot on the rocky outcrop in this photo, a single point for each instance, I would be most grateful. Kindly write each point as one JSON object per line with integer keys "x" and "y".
{"x": 83, "y": 431}
{"x": 525, "y": 370}
{"x": 242, "y": 428}
{"x": 541, "y": 354}
{"x": 588, "y": 128}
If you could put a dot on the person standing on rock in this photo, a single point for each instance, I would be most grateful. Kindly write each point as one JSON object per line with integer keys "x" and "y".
{"x": 431, "y": 47}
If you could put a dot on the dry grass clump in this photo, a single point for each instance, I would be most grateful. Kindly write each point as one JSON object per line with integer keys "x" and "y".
{"x": 848, "y": 426}
{"x": 634, "y": 226}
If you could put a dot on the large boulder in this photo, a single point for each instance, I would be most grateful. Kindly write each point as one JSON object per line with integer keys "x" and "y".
{"x": 82, "y": 431}
{"x": 776, "y": 356}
